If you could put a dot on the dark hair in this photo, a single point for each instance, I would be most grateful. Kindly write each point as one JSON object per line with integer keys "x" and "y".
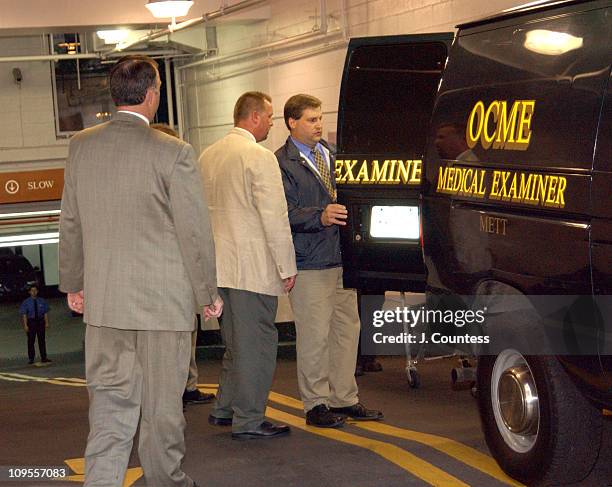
{"x": 294, "y": 107}
{"x": 33, "y": 286}
{"x": 249, "y": 102}
{"x": 130, "y": 79}
{"x": 166, "y": 129}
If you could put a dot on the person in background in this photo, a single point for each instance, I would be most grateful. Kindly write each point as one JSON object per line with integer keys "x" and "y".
{"x": 35, "y": 318}
{"x": 325, "y": 314}
{"x": 255, "y": 263}
{"x": 191, "y": 394}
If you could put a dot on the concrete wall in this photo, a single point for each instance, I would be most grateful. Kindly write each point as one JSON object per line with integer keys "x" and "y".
{"x": 27, "y": 124}
{"x": 314, "y": 66}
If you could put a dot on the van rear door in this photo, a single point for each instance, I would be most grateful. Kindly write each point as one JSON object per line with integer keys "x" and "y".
{"x": 386, "y": 99}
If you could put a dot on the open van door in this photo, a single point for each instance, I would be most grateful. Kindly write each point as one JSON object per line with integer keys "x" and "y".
{"x": 386, "y": 99}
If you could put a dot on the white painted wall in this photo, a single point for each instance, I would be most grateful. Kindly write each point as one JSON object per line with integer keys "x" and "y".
{"x": 210, "y": 91}
{"x": 27, "y": 124}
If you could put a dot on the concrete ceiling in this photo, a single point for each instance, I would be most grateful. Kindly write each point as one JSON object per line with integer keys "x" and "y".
{"x": 22, "y": 17}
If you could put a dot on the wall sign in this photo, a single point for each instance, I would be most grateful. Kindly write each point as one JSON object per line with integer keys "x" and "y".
{"x": 26, "y": 186}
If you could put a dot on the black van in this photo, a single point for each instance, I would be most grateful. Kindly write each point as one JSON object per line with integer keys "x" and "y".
{"x": 519, "y": 204}
{"x": 503, "y": 144}
{"x": 386, "y": 98}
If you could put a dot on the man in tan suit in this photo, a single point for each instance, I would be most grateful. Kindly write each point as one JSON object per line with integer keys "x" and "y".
{"x": 136, "y": 256}
{"x": 255, "y": 263}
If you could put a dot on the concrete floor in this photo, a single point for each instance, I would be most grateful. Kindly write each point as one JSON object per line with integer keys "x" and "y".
{"x": 430, "y": 436}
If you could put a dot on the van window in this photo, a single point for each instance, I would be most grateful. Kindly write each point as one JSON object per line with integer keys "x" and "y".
{"x": 389, "y": 96}
{"x": 562, "y": 64}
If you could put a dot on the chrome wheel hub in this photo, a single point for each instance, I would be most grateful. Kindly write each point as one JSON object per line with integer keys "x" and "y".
{"x": 515, "y": 401}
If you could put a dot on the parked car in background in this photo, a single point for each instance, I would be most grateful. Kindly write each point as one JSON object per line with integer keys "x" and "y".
{"x": 16, "y": 276}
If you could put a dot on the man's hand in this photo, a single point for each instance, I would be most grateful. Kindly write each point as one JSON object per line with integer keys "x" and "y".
{"x": 76, "y": 301}
{"x": 334, "y": 214}
{"x": 26, "y": 328}
{"x": 289, "y": 283}
{"x": 213, "y": 310}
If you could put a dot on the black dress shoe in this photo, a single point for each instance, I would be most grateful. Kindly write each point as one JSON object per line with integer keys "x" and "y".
{"x": 219, "y": 421}
{"x": 197, "y": 397}
{"x": 322, "y": 417}
{"x": 358, "y": 412}
{"x": 263, "y": 431}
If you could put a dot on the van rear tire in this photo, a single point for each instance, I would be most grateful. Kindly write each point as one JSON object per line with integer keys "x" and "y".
{"x": 553, "y": 435}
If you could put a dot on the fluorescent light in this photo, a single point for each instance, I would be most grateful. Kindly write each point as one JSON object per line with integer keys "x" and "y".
{"x": 5, "y": 216}
{"x": 113, "y": 36}
{"x": 29, "y": 242}
{"x": 168, "y": 8}
{"x": 551, "y": 43}
{"x": 11, "y": 239}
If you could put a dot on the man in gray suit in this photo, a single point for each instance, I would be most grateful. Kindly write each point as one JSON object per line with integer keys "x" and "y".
{"x": 136, "y": 256}
{"x": 255, "y": 262}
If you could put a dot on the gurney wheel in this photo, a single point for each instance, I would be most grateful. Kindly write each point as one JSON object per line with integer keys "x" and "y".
{"x": 414, "y": 379}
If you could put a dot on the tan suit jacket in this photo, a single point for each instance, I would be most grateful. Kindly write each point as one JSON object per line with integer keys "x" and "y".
{"x": 248, "y": 210}
{"x": 134, "y": 229}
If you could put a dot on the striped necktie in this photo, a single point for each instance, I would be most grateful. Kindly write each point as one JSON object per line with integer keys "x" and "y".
{"x": 324, "y": 172}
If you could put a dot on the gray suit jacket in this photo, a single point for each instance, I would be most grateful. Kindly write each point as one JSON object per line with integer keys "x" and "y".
{"x": 134, "y": 228}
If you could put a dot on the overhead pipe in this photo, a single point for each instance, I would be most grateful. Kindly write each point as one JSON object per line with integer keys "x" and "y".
{"x": 279, "y": 60}
{"x": 207, "y": 17}
{"x": 320, "y": 31}
{"x": 263, "y": 47}
{"x": 47, "y": 57}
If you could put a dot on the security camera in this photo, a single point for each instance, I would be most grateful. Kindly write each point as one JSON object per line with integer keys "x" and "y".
{"x": 17, "y": 76}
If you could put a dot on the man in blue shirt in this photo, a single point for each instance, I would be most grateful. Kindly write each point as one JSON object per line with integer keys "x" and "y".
{"x": 35, "y": 317}
{"x": 325, "y": 313}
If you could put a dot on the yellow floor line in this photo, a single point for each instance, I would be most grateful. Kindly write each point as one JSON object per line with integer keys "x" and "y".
{"x": 71, "y": 379}
{"x": 411, "y": 463}
{"x": 458, "y": 451}
{"x": 400, "y": 457}
{"x": 32, "y": 378}
{"x": 12, "y": 379}
{"x": 77, "y": 465}
{"x": 452, "y": 448}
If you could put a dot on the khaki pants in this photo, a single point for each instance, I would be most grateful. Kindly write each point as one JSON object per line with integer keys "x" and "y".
{"x": 327, "y": 326}
{"x": 132, "y": 375}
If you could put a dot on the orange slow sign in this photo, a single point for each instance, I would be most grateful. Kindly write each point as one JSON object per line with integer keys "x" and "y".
{"x": 25, "y": 186}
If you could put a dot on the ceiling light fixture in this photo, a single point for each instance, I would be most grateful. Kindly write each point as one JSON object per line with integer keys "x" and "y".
{"x": 113, "y": 36}
{"x": 164, "y": 9}
{"x": 32, "y": 239}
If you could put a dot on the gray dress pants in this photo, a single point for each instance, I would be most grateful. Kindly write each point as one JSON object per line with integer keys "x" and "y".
{"x": 251, "y": 340}
{"x": 131, "y": 375}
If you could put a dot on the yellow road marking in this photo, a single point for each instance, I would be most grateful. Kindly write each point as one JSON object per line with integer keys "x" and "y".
{"x": 413, "y": 464}
{"x": 405, "y": 460}
{"x": 33, "y": 378}
{"x": 77, "y": 465}
{"x": 400, "y": 457}
{"x": 458, "y": 451}
{"x": 12, "y": 379}
{"x": 72, "y": 379}
{"x": 465, "y": 454}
